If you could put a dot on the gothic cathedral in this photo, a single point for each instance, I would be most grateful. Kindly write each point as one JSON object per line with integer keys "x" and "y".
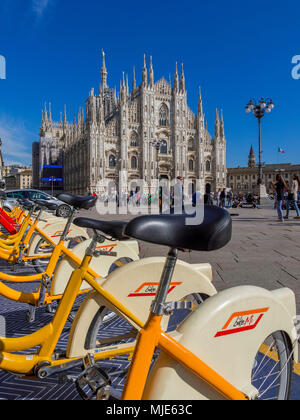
{"x": 116, "y": 133}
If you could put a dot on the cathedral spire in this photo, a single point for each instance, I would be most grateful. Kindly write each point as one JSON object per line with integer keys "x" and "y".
{"x": 50, "y": 112}
{"x": 145, "y": 76}
{"x": 79, "y": 118}
{"x": 123, "y": 89}
{"x": 176, "y": 79}
{"x": 103, "y": 72}
{"x": 133, "y": 80}
{"x": 200, "y": 103}
{"x": 217, "y": 125}
{"x": 45, "y": 113}
{"x": 65, "y": 115}
{"x": 182, "y": 80}
{"x": 151, "y": 74}
{"x": 222, "y": 131}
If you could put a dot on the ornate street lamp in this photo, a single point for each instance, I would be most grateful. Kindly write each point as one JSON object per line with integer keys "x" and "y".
{"x": 259, "y": 108}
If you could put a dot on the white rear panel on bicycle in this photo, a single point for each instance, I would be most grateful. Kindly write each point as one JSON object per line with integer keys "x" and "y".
{"x": 135, "y": 285}
{"x": 126, "y": 251}
{"x": 54, "y": 230}
{"x": 226, "y": 333}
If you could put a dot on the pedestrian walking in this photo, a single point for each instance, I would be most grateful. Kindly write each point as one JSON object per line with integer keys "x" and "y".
{"x": 293, "y": 197}
{"x": 279, "y": 187}
{"x": 222, "y": 198}
{"x": 218, "y": 197}
{"x": 196, "y": 198}
{"x": 229, "y": 199}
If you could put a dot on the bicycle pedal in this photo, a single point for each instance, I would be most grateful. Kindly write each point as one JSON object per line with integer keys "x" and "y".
{"x": 93, "y": 381}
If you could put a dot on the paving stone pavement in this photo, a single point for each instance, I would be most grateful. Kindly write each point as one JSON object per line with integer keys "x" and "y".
{"x": 262, "y": 252}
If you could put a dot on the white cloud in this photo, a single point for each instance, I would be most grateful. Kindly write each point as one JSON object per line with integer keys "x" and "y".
{"x": 16, "y": 141}
{"x": 39, "y": 6}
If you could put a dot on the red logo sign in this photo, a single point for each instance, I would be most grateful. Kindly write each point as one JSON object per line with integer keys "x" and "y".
{"x": 150, "y": 289}
{"x": 59, "y": 233}
{"x": 108, "y": 248}
{"x": 242, "y": 321}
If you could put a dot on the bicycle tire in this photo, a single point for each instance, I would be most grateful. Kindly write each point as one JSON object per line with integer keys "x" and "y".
{"x": 104, "y": 317}
{"x": 274, "y": 353}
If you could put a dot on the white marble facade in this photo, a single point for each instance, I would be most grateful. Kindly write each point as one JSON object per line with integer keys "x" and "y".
{"x": 111, "y": 138}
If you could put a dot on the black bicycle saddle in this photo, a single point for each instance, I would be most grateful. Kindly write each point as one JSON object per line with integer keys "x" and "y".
{"x": 174, "y": 231}
{"x": 77, "y": 201}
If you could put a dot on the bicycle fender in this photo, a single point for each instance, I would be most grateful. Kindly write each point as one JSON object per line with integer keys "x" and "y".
{"x": 101, "y": 265}
{"x": 54, "y": 231}
{"x": 135, "y": 285}
{"x": 226, "y": 333}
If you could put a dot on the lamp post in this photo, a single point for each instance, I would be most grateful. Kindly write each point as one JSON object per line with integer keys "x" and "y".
{"x": 52, "y": 178}
{"x": 259, "y": 108}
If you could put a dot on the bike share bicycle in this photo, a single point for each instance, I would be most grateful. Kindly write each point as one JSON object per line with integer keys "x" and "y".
{"x": 54, "y": 276}
{"x": 239, "y": 344}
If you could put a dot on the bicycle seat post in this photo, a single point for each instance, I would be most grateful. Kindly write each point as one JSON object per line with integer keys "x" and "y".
{"x": 38, "y": 218}
{"x": 97, "y": 238}
{"x": 158, "y": 305}
{"x": 68, "y": 225}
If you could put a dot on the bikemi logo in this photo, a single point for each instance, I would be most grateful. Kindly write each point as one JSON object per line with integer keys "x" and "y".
{"x": 242, "y": 321}
{"x": 2, "y": 67}
{"x": 150, "y": 289}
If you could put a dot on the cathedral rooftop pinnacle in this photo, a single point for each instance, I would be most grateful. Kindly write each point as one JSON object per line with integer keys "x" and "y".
{"x": 133, "y": 80}
{"x": 145, "y": 73}
{"x": 182, "y": 80}
{"x": 151, "y": 74}
{"x": 103, "y": 72}
{"x": 176, "y": 79}
{"x": 200, "y": 104}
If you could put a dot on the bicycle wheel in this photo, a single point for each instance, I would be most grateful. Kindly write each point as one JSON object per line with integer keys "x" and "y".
{"x": 273, "y": 367}
{"x": 181, "y": 314}
{"x": 107, "y": 325}
{"x": 43, "y": 247}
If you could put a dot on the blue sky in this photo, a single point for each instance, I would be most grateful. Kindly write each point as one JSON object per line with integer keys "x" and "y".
{"x": 234, "y": 50}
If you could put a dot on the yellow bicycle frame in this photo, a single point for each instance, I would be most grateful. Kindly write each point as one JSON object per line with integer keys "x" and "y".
{"x": 48, "y": 336}
{"x": 150, "y": 336}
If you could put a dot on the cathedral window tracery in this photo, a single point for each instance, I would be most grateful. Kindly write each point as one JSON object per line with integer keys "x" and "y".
{"x": 164, "y": 116}
{"x": 191, "y": 145}
{"x": 133, "y": 162}
{"x": 191, "y": 165}
{"x": 164, "y": 147}
{"x": 134, "y": 140}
